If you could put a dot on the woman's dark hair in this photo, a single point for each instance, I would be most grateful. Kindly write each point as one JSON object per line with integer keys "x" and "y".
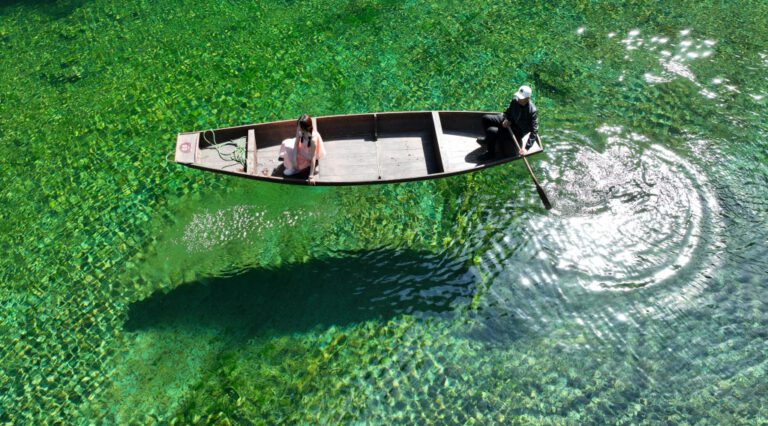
{"x": 305, "y": 122}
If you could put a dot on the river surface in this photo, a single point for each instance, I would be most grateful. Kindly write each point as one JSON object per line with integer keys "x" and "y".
{"x": 136, "y": 290}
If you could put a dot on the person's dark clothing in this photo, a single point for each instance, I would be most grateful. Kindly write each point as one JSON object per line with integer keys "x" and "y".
{"x": 525, "y": 119}
{"x": 522, "y": 120}
{"x": 494, "y": 132}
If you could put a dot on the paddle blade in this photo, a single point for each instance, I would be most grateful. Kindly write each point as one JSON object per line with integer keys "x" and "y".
{"x": 543, "y": 196}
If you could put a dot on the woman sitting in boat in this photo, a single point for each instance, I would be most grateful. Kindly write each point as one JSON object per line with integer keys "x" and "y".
{"x": 303, "y": 152}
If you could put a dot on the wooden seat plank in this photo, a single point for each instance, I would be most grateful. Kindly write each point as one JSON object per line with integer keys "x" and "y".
{"x": 251, "y": 153}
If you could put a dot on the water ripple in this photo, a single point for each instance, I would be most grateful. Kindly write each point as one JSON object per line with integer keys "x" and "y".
{"x": 633, "y": 235}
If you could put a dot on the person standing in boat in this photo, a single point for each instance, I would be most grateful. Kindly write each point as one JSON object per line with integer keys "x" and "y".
{"x": 303, "y": 152}
{"x": 520, "y": 116}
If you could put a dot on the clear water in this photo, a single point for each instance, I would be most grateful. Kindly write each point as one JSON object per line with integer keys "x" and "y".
{"x": 136, "y": 290}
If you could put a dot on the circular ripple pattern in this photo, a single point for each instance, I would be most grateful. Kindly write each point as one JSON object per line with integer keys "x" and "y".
{"x": 628, "y": 217}
{"x": 634, "y": 234}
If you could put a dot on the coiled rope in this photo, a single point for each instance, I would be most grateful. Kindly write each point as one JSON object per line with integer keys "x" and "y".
{"x": 237, "y": 156}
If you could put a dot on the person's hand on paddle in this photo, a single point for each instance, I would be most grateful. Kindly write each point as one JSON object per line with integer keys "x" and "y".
{"x": 312, "y": 180}
{"x": 522, "y": 147}
{"x": 505, "y": 123}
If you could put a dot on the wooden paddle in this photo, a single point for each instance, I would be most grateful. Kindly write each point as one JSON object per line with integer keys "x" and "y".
{"x": 539, "y": 189}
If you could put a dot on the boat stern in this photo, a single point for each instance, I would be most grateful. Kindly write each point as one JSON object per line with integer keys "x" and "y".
{"x": 186, "y": 147}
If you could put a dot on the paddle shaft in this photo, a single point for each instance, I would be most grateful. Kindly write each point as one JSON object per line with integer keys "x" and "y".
{"x": 539, "y": 189}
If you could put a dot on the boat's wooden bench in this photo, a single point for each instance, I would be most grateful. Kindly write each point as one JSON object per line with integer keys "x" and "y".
{"x": 251, "y": 158}
{"x": 455, "y": 134}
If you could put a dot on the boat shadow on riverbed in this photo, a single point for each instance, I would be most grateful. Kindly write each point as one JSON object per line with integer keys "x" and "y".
{"x": 348, "y": 288}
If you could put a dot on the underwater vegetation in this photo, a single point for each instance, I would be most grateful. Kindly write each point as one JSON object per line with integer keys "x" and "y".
{"x": 133, "y": 290}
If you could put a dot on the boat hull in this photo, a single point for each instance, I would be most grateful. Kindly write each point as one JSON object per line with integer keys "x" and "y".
{"x": 361, "y": 149}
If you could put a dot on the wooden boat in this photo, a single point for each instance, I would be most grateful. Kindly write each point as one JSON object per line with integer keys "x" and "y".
{"x": 360, "y": 149}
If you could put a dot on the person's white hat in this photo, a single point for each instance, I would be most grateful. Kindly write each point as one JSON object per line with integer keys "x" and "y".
{"x": 523, "y": 92}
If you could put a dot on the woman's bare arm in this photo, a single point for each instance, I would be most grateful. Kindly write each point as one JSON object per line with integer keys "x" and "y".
{"x": 296, "y": 143}
{"x": 314, "y": 160}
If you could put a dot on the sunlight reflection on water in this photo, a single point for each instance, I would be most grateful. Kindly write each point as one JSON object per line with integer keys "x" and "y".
{"x": 625, "y": 220}
{"x": 630, "y": 219}
{"x": 675, "y": 58}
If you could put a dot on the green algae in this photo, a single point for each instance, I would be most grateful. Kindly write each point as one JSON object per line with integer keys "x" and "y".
{"x": 94, "y": 218}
